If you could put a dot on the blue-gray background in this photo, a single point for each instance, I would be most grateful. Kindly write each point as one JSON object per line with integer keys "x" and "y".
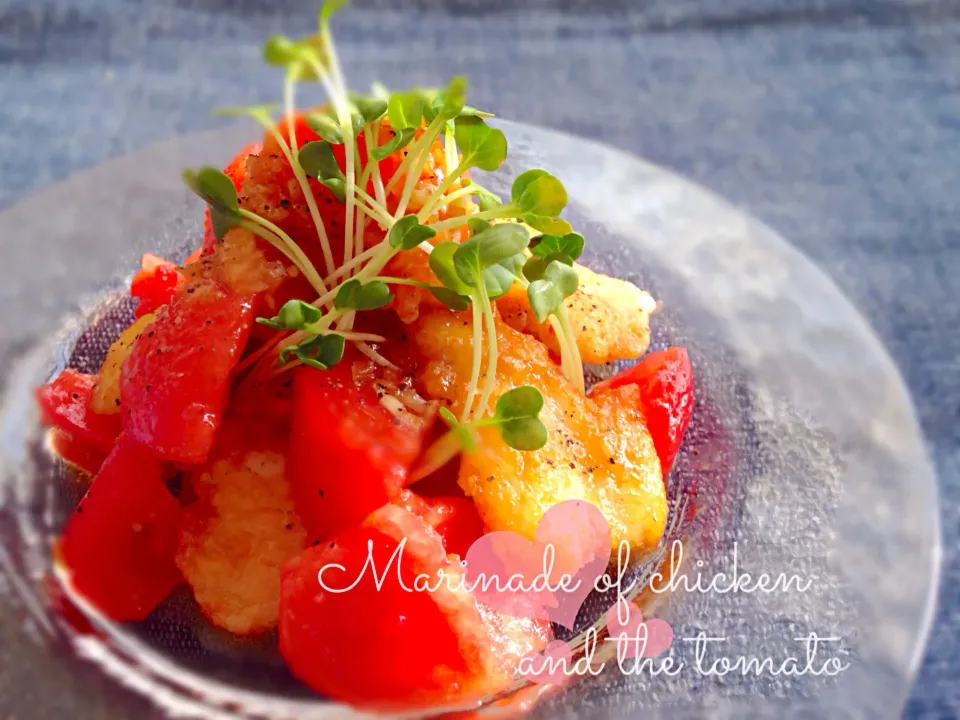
{"x": 836, "y": 121}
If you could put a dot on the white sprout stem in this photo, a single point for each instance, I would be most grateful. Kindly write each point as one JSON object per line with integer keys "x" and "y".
{"x": 378, "y": 185}
{"x": 437, "y": 197}
{"x": 477, "y": 355}
{"x": 414, "y": 151}
{"x": 357, "y": 337}
{"x": 507, "y": 211}
{"x": 576, "y": 363}
{"x": 377, "y": 212}
{"x": 440, "y": 201}
{"x": 347, "y": 269}
{"x": 411, "y": 182}
{"x": 445, "y": 449}
{"x": 375, "y": 356}
{"x": 450, "y": 147}
{"x": 279, "y": 239}
{"x": 490, "y": 377}
{"x": 291, "y": 152}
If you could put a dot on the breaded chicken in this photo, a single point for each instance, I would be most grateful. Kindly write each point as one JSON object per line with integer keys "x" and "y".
{"x": 597, "y": 451}
{"x": 236, "y": 536}
{"x": 609, "y": 317}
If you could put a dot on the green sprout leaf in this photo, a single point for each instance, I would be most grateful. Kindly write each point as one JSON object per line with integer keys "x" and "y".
{"x": 546, "y": 296}
{"x": 480, "y": 145}
{"x": 539, "y": 194}
{"x": 321, "y": 351}
{"x": 400, "y": 139}
{"x": 569, "y": 245}
{"x": 405, "y": 109}
{"x": 489, "y": 248}
{"x": 477, "y": 225}
{"x": 218, "y": 191}
{"x": 462, "y": 433}
{"x": 326, "y": 127}
{"x": 442, "y": 263}
{"x": 470, "y": 111}
{"x": 536, "y": 267}
{"x": 370, "y": 108}
{"x": 448, "y": 103}
{"x": 486, "y": 199}
{"x": 407, "y": 233}
{"x": 452, "y": 300}
{"x": 281, "y": 51}
{"x": 547, "y": 225}
{"x": 294, "y": 315}
{"x": 517, "y": 414}
{"x": 317, "y": 160}
{"x": 329, "y": 8}
{"x": 354, "y": 295}
{"x": 338, "y": 187}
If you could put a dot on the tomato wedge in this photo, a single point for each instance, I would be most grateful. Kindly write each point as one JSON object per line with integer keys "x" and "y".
{"x": 349, "y": 454}
{"x": 174, "y": 383}
{"x": 394, "y": 647}
{"x": 236, "y": 170}
{"x": 119, "y": 543}
{"x": 155, "y": 283}
{"x": 665, "y": 382}
{"x": 455, "y": 519}
{"x": 65, "y": 406}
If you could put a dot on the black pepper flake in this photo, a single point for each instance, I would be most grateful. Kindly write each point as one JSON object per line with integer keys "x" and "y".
{"x": 573, "y": 466}
{"x": 117, "y": 402}
{"x": 79, "y": 509}
{"x": 191, "y": 291}
{"x": 316, "y": 542}
{"x": 612, "y": 461}
{"x": 490, "y": 478}
{"x": 320, "y": 493}
{"x": 208, "y": 321}
{"x": 584, "y": 328}
{"x": 76, "y": 396}
{"x": 289, "y": 526}
{"x": 396, "y": 421}
{"x": 147, "y": 388}
{"x": 150, "y": 334}
{"x": 590, "y": 469}
{"x": 284, "y": 203}
{"x": 332, "y": 545}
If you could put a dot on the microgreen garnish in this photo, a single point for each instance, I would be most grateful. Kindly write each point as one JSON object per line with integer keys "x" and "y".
{"x": 471, "y": 275}
{"x": 401, "y": 139}
{"x": 294, "y": 315}
{"x": 321, "y": 351}
{"x": 354, "y": 295}
{"x": 407, "y": 233}
{"x": 547, "y": 294}
{"x": 516, "y": 417}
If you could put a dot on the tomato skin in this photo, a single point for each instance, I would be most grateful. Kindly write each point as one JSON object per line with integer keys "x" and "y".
{"x": 81, "y": 456}
{"x": 236, "y": 170}
{"x": 155, "y": 284}
{"x": 383, "y": 648}
{"x": 65, "y": 406}
{"x": 174, "y": 383}
{"x": 348, "y": 454}
{"x": 455, "y": 519}
{"x": 119, "y": 543}
{"x": 665, "y": 381}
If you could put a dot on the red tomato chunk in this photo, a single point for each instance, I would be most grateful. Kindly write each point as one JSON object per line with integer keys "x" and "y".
{"x": 665, "y": 381}
{"x": 348, "y": 455}
{"x": 120, "y": 541}
{"x": 155, "y": 283}
{"x": 65, "y": 405}
{"x": 175, "y": 382}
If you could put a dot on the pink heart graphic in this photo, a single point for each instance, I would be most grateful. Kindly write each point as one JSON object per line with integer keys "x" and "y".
{"x": 549, "y": 666}
{"x": 636, "y": 638}
{"x": 548, "y": 578}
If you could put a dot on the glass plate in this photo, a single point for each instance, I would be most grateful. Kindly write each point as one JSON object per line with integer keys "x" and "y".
{"x": 803, "y": 462}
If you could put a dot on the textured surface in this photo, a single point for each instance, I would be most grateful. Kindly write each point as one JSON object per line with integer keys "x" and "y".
{"x": 834, "y": 121}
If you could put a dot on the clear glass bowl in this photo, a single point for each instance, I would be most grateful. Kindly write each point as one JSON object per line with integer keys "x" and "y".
{"x": 803, "y": 459}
